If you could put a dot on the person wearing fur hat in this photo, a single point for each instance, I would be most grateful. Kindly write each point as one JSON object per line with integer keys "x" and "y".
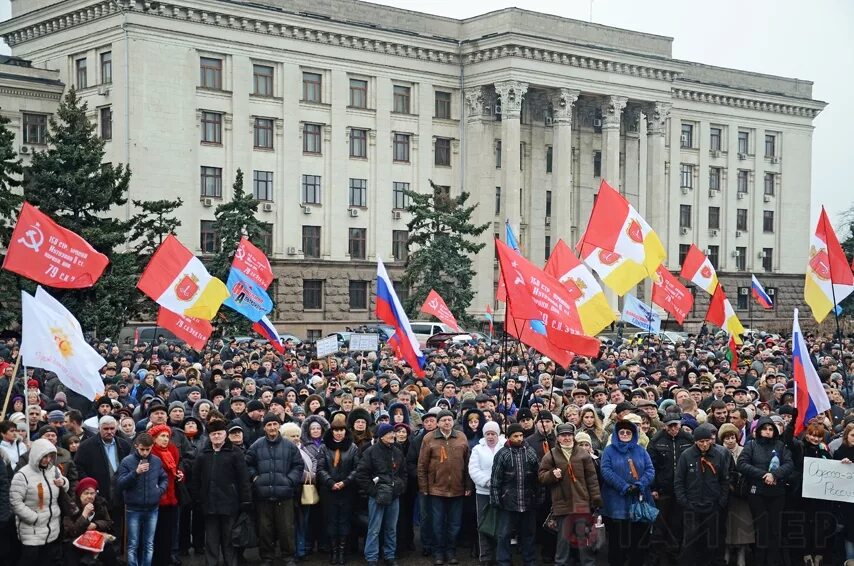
{"x": 359, "y": 423}
{"x": 89, "y": 512}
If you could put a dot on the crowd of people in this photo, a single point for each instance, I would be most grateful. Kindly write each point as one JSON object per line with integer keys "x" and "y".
{"x": 651, "y": 453}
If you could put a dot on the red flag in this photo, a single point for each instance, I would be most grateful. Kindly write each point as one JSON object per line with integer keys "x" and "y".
{"x": 671, "y": 295}
{"x": 253, "y": 262}
{"x": 522, "y": 331}
{"x": 193, "y": 331}
{"x": 42, "y": 250}
{"x": 435, "y": 305}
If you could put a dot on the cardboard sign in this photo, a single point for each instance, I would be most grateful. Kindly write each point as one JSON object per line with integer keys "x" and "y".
{"x": 327, "y": 346}
{"x": 364, "y": 342}
{"x": 828, "y": 479}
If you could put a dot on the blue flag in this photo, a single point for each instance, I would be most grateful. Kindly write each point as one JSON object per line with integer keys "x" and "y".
{"x": 512, "y": 242}
{"x": 246, "y": 296}
{"x": 639, "y": 314}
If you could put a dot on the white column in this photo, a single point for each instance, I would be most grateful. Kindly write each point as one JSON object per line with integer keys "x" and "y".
{"x": 656, "y": 191}
{"x": 510, "y": 95}
{"x": 562, "y": 101}
{"x": 612, "y": 110}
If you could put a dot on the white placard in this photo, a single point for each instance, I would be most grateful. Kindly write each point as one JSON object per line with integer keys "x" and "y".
{"x": 364, "y": 342}
{"x": 828, "y": 479}
{"x": 326, "y": 346}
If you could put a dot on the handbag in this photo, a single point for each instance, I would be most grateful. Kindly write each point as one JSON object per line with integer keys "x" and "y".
{"x": 642, "y": 512}
{"x": 309, "y": 494}
{"x": 243, "y": 533}
{"x": 488, "y": 524}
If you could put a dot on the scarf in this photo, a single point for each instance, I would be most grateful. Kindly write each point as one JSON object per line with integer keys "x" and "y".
{"x": 567, "y": 453}
{"x": 169, "y": 462}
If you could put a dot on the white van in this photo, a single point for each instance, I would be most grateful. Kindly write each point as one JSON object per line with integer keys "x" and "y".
{"x": 424, "y": 329}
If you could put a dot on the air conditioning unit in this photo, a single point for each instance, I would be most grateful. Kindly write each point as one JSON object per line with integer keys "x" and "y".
{"x": 713, "y": 193}
{"x": 740, "y": 195}
{"x": 738, "y": 233}
{"x": 292, "y": 250}
{"x": 268, "y": 207}
{"x": 761, "y": 255}
{"x": 716, "y": 153}
{"x": 713, "y": 233}
{"x": 395, "y": 214}
{"x": 548, "y": 220}
{"x": 744, "y": 291}
{"x": 684, "y": 141}
{"x": 734, "y": 253}
{"x": 549, "y": 120}
{"x": 354, "y": 212}
{"x": 25, "y": 149}
{"x": 775, "y": 159}
{"x": 742, "y": 156}
{"x": 207, "y": 202}
{"x": 706, "y": 252}
{"x": 766, "y": 198}
{"x": 104, "y": 90}
{"x": 683, "y": 230}
{"x": 306, "y": 210}
{"x": 597, "y": 123}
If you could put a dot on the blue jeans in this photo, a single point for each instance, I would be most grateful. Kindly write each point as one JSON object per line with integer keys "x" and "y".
{"x": 381, "y": 518}
{"x": 447, "y": 520}
{"x": 303, "y": 514}
{"x": 140, "y": 531}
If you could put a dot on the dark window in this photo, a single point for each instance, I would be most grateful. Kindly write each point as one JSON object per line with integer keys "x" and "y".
{"x": 686, "y": 176}
{"x": 311, "y": 138}
{"x": 767, "y": 259}
{"x": 107, "y": 67}
{"x": 743, "y": 297}
{"x": 35, "y": 128}
{"x": 714, "y": 251}
{"x": 358, "y": 93}
{"x": 358, "y": 143}
{"x": 82, "y": 77}
{"x": 741, "y": 219}
{"x": 400, "y": 245}
{"x": 549, "y": 157}
{"x": 211, "y": 73}
{"x": 548, "y": 204}
{"x": 212, "y": 127}
{"x": 313, "y": 334}
{"x": 687, "y": 138}
{"x": 715, "y": 178}
{"x": 684, "y": 215}
{"x": 264, "y": 133}
{"x": 262, "y": 185}
{"x": 443, "y": 105}
{"x": 401, "y": 147}
{"x": 311, "y": 87}
{"x": 401, "y": 99}
{"x": 262, "y": 80}
{"x": 715, "y": 139}
{"x": 312, "y": 294}
{"x": 401, "y": 291}
{"x": 741, "y": 258}
{"x": 768, "y": 221}
{"x": 358, "y": 295}
{"x": 359, "y": 192}
{"x": 769, "y": 184}
{"x": 548, "y": 247}
{"x": 683, "y": 253}
{"x": 311, "y": 189}
{"x": 714, "y": 217}
{"x": 211, "y": 182}
{"x": 770, "y": 145}
{"x": 106, "y": 123}
{"x": 497, "y": 201}
{"x": 443, "y": 152}
{"x": 311, "y": 241}
{"x": 742, "y": 181}
{"x": 357, "y": 243}
{"x": 597, "y": 163}
{"x": 398, "y": 191}
{"x": 498, "y": 154}
{"x": 266, "y": 237}
{"x": 208, "y": 237}
{"x": 522, "y": 156}
{"x": 743, "y": 142}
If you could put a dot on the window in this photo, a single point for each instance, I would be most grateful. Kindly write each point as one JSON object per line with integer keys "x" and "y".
{"x": 741, "y": 219}
{"x": 312, "y": 294}
{"x": 311, "y": 87}
{"x": 684, "y": 215}
{"x": 770, "y": 145}
{"x": 311, "y": 241}
{"x": 106, "y": 123}
{"x": 743, "y": 142}
{"x": 358, "y": 93}
{"x": 401, "y": 99}
{"x": 358, "y": 295}
{"x": 597, "y": 163}
{"x": 522, "y": 156}
{"x": 548, "y": 204}
{"x": 401, "y": 291}
{"x": 313, "y": 334}
{"x": 35, "y": 128}
{"x": 714, "y": 218}
{"x": 262, "y": 185}
{"x": 358, "y": 143}
{"x": 497, "y": 201}
{"x": 548, "y": 243}
{"x": 107, "y": 67}
{"x": 683, "y": 253}
{"x": 208, "y": 237}
{"x": 686, "y": 175}
{"x": 769, "y": 184}
{"x": 263, "y": 133}
{"x": 357, "y": 243}
{"x": 400, "y": 245}
{"x": 768, "y": 221}
{"x": 743, "y": 298}
{"x": 398, "y": 192}
{"x": 266, "y": 237}
{"x": 80, "y": 66}
{"x": 767, "y": 259}
{"x": 549, "y": 157}
{"x": 714, "y": 178}
{"x": 211, "y": 182}
{"x": 714, "y": 251}
{"x": 742, "y": 181}
{"x": 715, "y": 139}
{"x": 211, "y": 73}
{"x": 443, "y": 152}
{"x": 359, "y": 192}
{"x": 401, "y": 147}
{"x": 212, "y": 127}
{"x": 498, "y": 154}
{"x": 741, "y": 258}
{"x": 311, "y": 189}
{"x": 443, "y": 105}
{"x": 311, "y": 138}
{"x": 687, "y": 139}
{"x": 262, "y": 80}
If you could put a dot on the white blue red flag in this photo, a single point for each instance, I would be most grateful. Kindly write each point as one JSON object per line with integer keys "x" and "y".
{"x": 390, "y": 311}
{"x": 810, "y": 397}
{"x": 266, "y": 329}
{"x": 759, "y": 293}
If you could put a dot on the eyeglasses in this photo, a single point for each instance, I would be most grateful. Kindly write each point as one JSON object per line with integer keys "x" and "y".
{"x": 624, "y": 432}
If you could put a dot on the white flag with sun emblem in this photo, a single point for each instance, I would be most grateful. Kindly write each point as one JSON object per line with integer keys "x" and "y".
{"x": 51, "y": 339}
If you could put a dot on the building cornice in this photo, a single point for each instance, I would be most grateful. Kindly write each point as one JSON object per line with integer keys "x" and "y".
{"x": 29, "y": 93}
{"x": 694, "y": 95}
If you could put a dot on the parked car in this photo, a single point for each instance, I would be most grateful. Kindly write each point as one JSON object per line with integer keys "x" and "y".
{"x": 442, "y": 339}
{"x": 131, "y": 335}
{"x": 424, "y": 329}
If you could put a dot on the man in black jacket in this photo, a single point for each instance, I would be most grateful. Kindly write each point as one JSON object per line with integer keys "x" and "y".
{"x": 541, "y": 442}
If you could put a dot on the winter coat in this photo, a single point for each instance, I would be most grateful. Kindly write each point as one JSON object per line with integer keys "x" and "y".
{"x": 577, "y": 490}
{"x": 617, "y": 477}
{"x": 846, "y": 510}
{"x": 311, "y": 447}
{"x": 220, "y": 480}
{"x": 252, "y": 430}
{"x": 404, "y": 409}
{"x": 91, "y": 461}
{"x": 5, "y": 480}
{"x": 443, "y": 465}
{"x": 35, "y": 498}
{"x": 76, "y": 524}
{"x": 141, "y": 492}
{"x": 276, "y": 469}
{"x": 739, "y": 529}
{"x": 756, "y": 457}
{"x": 328, "y": 474}
{"x": 63, "y": 461}
{"x": 702, "y": 481}
{"x": 664, "y": 451}
{"x": 540, "y": 442}
{"x": 513, "y": 485}
{"x": 416, "y": 440}
{"x": 480, "y": 464}
{"x": 386, "y": 463}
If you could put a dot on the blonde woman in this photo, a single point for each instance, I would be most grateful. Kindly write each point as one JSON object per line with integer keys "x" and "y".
{"x": 592, "y": 425}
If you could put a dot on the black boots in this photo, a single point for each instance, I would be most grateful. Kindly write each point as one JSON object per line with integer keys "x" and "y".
{"x": 337, "y": 551}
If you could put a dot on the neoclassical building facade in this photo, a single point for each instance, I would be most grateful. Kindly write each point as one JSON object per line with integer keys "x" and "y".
{"x": 333, "y": 108}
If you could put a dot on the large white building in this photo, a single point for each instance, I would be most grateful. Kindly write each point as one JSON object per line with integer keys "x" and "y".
{"x": 332, "y": 107}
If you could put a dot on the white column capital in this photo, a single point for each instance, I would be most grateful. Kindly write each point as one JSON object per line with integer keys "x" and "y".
{"x": 510, "y": 94}
{"x": 476, "y": 100}
{"x": 612, "y": 109}
{"x": 562, "y": 100}
{"x": 657, "y": 114}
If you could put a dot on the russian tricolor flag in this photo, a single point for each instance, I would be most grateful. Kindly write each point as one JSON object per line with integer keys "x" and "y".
{"x": 759, "y": 293}
{"x": 390, "y": 311}
{"x": 810, "y": 396}
{"x": 266, "y": 329}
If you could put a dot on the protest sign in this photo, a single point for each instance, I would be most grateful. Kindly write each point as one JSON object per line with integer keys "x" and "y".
{"x": 364, "y": 342}
{"x": 327, "y": 346}
{"x": 828, "y": 479}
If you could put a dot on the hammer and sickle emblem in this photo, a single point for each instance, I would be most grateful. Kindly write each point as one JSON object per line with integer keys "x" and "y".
{"x": 240, "y": 253}
{"x": 434, "y": 303}
{"x": 33, "y": 238}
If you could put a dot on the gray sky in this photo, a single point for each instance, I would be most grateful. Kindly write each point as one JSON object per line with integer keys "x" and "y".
{"x": 811, "y": 41}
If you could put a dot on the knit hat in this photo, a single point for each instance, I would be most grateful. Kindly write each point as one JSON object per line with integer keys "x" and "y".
{"x": 444, "y": 414}
{"x": 157, "y": 430}
{"x": 60, "y": 396}
{"x": 705, "y": 431}
{"x": 491, "y": 426}
{"x": 176, "y": 405}
{"x": 383, "y": 429}
{"x": 583, "y": 437}
{"x": 84, "y": 484}
{"x": 32, "y": 384}
{"x": 689, "y": 421}
{"x": 254, "y": 405}
{"x": 271, "y": 418}
{"x": 545, "y": 416}
{"x": 216, "y": 426}
{"x": 514, "y": 428}
{"x": 46, "y": 429}
{"x": 523, "y": 414}
{"x": 55, "y": 416}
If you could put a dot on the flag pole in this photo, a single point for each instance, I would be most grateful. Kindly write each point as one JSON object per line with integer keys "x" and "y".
{"x": 750, "y": 308}
{"x": 11, "y": 384}
{"x": 830, "y": 272}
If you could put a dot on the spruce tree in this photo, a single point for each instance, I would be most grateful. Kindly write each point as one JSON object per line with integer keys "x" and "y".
{"x": 10, "y": 173}
{"x": 441, "y": 235}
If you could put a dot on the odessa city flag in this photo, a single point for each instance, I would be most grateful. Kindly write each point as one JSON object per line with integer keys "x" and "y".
{"x": 697, "y": 269}
{"x": 618, "y": 273}
{"x": 759, "y": 293}
{"x": 829, "y": 276}
{"x": 390, "y": 311}
{"x": 722, "y": 315}
{"x": 176, "y": 280}
{"x": 810, "y": 397}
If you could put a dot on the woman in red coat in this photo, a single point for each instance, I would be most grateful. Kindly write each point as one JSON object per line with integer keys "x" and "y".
{"x": 168, "y": 511}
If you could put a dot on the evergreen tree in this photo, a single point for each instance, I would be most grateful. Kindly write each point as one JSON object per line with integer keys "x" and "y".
{"x": 10, "y": 172}
{"x": 441, "y": 234}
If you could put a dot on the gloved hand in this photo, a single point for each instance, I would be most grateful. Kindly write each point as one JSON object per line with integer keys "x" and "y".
{"x": 633, "y": 490}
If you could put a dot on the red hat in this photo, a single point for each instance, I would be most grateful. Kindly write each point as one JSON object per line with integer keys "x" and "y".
{"x": 85, "y": 484}
{"x": 157, "y": 430}
{"x": 32, "y": 384}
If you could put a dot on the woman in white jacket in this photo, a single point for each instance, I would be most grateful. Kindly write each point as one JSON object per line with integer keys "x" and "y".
{"x": 34, "y": 495}
{"x": 480, "y": 471}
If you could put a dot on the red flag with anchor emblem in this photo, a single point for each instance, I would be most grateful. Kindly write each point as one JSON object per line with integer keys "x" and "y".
{"x": 435, "y": 305}
{"x": 42, "y": 250}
